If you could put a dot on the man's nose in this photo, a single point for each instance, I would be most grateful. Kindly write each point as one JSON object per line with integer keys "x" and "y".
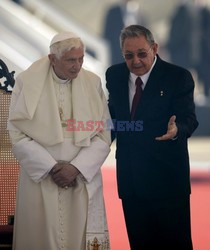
{"x": 77, "y": 64}
{"x": 136, "y": 59}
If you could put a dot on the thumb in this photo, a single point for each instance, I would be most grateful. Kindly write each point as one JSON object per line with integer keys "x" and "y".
{"x": 172, "y": 119}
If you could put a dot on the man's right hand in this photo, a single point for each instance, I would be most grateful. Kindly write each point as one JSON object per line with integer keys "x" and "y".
{"x": 64, "y": 174}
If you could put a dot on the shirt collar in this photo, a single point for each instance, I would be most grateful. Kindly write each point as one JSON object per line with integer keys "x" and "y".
{"x": 144, "y": 77}
{"x": 57, "y": 79}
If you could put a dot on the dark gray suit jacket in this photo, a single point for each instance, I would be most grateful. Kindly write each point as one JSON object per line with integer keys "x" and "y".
{"x": 146, "y": 167}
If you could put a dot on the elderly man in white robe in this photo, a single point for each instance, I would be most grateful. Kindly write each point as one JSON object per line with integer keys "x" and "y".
{"x": 57, "y": 124}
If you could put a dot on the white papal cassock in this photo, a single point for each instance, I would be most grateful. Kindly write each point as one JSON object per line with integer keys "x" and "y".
{"x": 49, "y": 217}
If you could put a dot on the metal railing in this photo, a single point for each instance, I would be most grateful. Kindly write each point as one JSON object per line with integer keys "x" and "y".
{"x": 26, "y": 36}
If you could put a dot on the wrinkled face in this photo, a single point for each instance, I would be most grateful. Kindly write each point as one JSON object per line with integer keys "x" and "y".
{"x": 69, "y": 64}
{"x": 139, "y": 55}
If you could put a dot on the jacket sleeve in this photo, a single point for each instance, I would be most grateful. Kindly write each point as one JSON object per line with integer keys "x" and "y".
{"x": 34, "y": 158}
{"x": 90, "y": 159}
{"x": 184, "y": 107}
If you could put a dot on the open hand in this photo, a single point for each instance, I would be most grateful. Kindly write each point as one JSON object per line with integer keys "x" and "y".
{"x": 171, "y": 132}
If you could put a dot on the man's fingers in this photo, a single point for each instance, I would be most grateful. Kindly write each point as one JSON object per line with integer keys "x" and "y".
{"x": 58, "y": 166}
{"x": 55, "y": 169}
{"x": 171, "y": 132}
{"x": 163, "y": 137}
{"x": 172, "y": 120}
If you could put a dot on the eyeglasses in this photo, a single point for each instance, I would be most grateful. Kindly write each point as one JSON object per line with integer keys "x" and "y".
{"x": 141, "y": 54}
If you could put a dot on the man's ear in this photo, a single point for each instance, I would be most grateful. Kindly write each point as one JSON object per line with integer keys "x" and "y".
{"x": 155, "y": 48}
{"x": 52, "y": 59}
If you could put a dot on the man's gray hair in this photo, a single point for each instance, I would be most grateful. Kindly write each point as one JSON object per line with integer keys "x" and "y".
{"x": 136, "y": 31}
{"x": 59, "y": 48}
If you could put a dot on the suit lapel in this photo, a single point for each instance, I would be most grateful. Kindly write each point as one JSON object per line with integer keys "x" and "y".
{"x": 124, "y": 91}
{"x": 152, "y": 87}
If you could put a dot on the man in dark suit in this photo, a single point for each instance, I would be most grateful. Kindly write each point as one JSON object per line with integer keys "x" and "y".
{"x": 152, "y": 160}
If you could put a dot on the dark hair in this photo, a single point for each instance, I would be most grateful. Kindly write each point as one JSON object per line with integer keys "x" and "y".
{"x": 136, "y": 31}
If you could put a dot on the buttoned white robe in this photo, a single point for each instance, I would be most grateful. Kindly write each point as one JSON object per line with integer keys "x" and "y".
{"x": 49, "y": 217}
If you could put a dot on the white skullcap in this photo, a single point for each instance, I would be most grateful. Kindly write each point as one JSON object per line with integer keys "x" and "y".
{"x": 63, "y": 36}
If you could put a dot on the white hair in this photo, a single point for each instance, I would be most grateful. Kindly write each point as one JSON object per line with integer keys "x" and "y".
{"x": 59, "y": 48}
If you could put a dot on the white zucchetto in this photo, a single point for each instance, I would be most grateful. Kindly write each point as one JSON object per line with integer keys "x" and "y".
{"x": 63, "y": 36}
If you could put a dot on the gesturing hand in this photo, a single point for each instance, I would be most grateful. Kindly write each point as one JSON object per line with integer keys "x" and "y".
{"x": 171, "y": 132}
{"x": 64, "y": 174}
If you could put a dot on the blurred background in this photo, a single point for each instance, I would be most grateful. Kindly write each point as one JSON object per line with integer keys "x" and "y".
{"x": 180, "y": 27}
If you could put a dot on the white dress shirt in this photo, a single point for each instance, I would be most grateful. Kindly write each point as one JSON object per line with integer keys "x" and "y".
{"x": 132, "y": 80}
